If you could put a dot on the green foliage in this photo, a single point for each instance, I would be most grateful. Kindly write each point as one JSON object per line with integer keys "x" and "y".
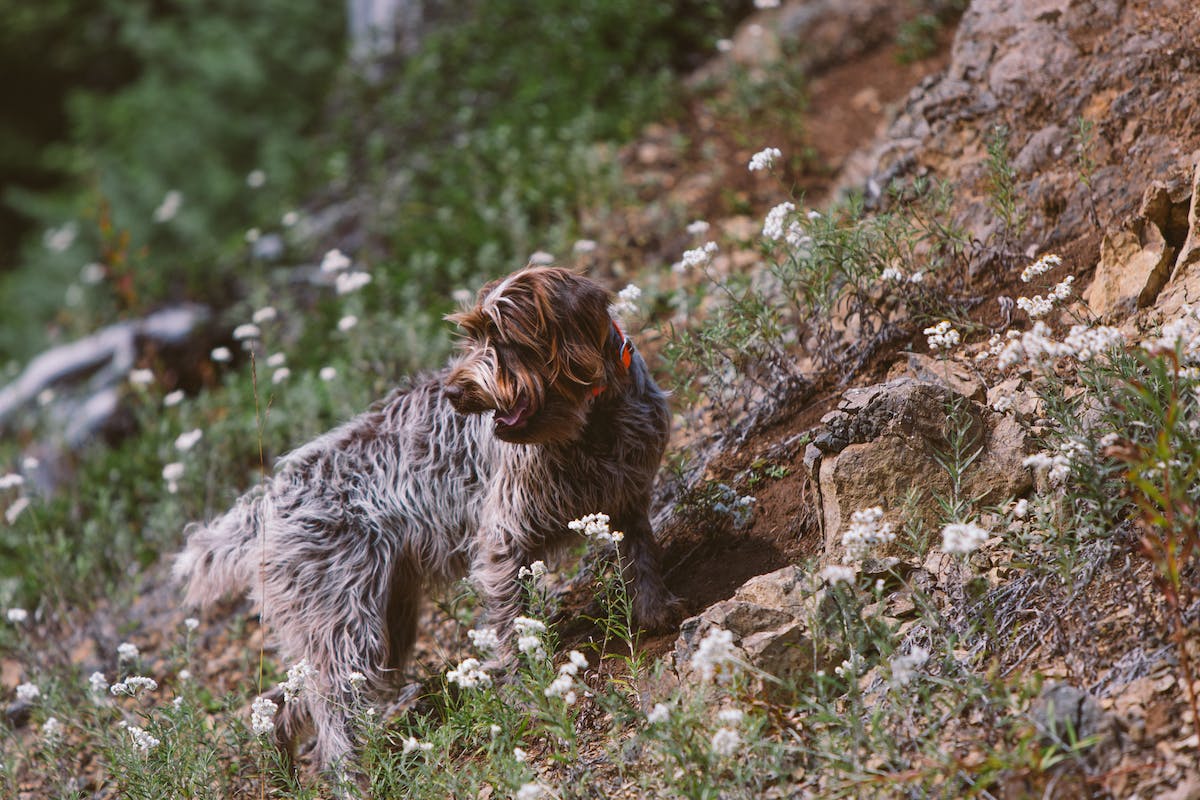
{"x": 1003, "y": 198}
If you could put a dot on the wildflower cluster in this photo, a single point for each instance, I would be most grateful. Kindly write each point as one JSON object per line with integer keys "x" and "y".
{"x": 626, "y": 306}
{"x": 697, "y": 257}
{"x": 1041, "y": 266}
{"x": 529, "y": 636}
{"x": 535, "y": 570}
{"x": 867, "y": 530}
{"x": 564, "y": 685}
{"x": 943, "y": 336}
{"x": 715, "y": 656}
{"x": 894, "y": 275}
{"x": 262, "y": 716}
{"x": 773, "y": 226}
{"x": 299, "y": 679}
{"x": 838, "y": 573}
{"x": 1038, "y": 306}
{"x": 133, "y": 685}
{"x": 1036, "y": 348}
{"x": 484, "y": 638}
{"x": 17, "y": 616}
{"x": 469, "y": 675}
{"x": 595, "y": 526}
{"x": 1057, "y": 466}
{"x": 961, "y": 538}
{"x": 906, "y": 667}
{"x": 764, "y": 159}
{"x": 142, "y": 740}
{"x": 1182, "y": 335}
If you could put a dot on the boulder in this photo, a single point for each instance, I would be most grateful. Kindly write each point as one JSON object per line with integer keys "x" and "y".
{"x": 771, "y": 618}
{"x": 882, "y": 447}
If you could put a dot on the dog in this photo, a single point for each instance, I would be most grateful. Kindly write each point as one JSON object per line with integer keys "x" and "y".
{"x": 548, "y": 414}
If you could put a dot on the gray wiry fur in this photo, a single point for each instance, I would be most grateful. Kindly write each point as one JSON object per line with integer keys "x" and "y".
{"x": 339, "y": 546}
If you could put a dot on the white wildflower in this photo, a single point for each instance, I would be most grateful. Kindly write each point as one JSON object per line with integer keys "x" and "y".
{"x": 191, "y": 623}
{"x": 494, "y": 730}
{"x": 141, "y": 377}
{"x": 659, "y": 714}
{"x": 356, "y": 680}
{"x": 290, "y": 218}
{"x": 186, "y": 441}
{"x": 698, "y": 227}
{"x": 171, "y": 203}
{"x": 1042, "y": 265}
{"x": 348, "y": 282}
{"x": 92, "y": 273}
{"x": 584, "y": 246}
{"x": 256, "y": 178}
{"x": 484, "y": 638}
{"x": 264, "y": 314}
{"x": 17, "y": 616}
{"x": 469, "y": 675}
{"x": 724, "y": 45}
{"x": 531, "y": 791}
{"x": 141, "y": 739}
{"x": 334, "y": 261}
{"x": 247, "y": 331}
{"x": 535, "y": 570}
{"x": 892, "y": 274}
{"x": 262, "y": 716}
{"x": 15, "y": 510}
{"x": 714, "y": 657}
{"x": 867, "y": 531}
{"x": 52, "y": 731}
{"x": 1021, "y": 509}
{"x": 838, "y": 573}
{"x": 276, "y": 359}
{"x": 699, "y": 257}
{"x": 28, "y": 692}
{"x": 97, "y": 684}
{"x": 11, "y": 481}
{"x": 221, "y": 355}
{"x": 177, "y": 703}
{"x": 943, "y": 335}
{"x": 962, "y": 537}
{"x": 1002, "y": 403}
{"x": 347, "y": 322}
{"x": 1086, "y": 343}
{"x": 562, "y": 686}
{"x": 185, "y": 675}
{"x": 411, "y": 744}
{"x": 300, "y": 678}
{"x": 905, "y": 668}
{"x": 280, "y": 375}
{"x": 172, "y": 399}
{"x": 541, "y": 258}
{"x": 730, "y": 716}
{"x": 773, "y": 225}
{"x": 127, "y": 651}
{"x": 253, "y": 235}
{"x": 627, "y": 302}
{"x": 133, "y": 685}
{"x": 764, "y": 4}
{"x": 917, "y": 277}
{"x": 520, "y": 755}
{"x": 172, "y": 473}
{"x": 725, "y": 742}
{"x": 327, "y": 374}
{"x": 764, "y": 159}
{"x": 578, "y": 659}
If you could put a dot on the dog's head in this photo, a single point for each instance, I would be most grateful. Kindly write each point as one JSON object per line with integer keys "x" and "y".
{"x": 537, "y": 348}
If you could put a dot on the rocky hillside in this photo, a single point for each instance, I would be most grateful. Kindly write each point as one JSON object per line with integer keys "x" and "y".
{"x": 931, "y": 501}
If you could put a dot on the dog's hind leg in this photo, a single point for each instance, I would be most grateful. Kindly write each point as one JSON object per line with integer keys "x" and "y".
{"x": 655, "y": 607}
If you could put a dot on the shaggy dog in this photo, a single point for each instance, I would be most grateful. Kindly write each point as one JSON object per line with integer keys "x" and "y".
{"x": 547, "y": 415}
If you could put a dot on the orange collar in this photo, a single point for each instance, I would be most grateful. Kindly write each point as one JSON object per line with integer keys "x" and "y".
{"x": 625, "y": 354}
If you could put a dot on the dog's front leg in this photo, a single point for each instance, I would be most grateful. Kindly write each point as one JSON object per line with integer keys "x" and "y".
{"x": 498, "y": 560}
{"x": 655, "y": 607}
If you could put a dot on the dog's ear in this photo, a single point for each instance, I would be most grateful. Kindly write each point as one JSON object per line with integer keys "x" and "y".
{"x": 580, "y": 311}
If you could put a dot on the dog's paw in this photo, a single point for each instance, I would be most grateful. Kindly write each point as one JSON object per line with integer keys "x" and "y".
{"x": 662, "y": 614}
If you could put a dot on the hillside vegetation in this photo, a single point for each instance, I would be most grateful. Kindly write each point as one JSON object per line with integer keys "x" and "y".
{"x": 920, "y": 276}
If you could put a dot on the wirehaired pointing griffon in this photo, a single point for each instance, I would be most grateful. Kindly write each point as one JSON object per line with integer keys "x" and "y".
{"x": 548, "y": 414}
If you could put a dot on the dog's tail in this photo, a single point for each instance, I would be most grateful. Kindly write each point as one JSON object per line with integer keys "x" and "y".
{"x": 220, "y": 557}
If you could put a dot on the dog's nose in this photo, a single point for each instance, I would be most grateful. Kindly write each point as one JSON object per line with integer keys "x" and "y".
{"x": 453, "y": 393}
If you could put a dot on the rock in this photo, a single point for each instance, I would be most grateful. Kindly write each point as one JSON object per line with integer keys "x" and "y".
{"x": 1184, "y": 285}
{"x": 18, "y": 713}
{"x": 952, "y": 374}
{"x": 882, "y": 446}
{"x": 1135, "y": 261}
{"x": 770, "y": 618}
{"x": 1063, "y": 711}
